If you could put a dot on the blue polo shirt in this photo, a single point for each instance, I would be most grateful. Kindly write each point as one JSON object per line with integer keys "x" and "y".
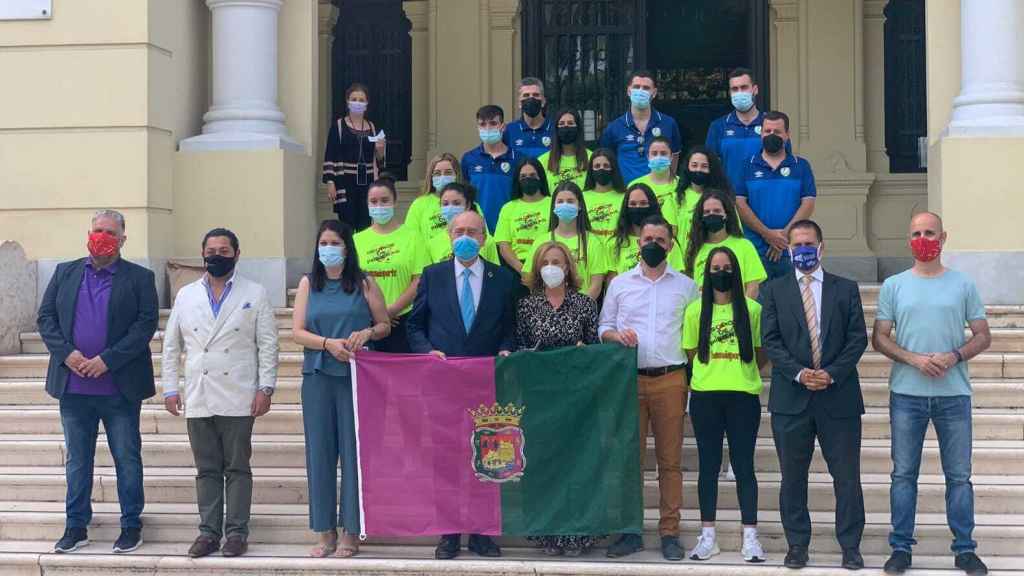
{"x": 775, "y": 195}
{"x": 492, "y": 178}
{"x": 735, "y": 142}
{"x": 630, "y": 146}
{"x": 525, "y": 140}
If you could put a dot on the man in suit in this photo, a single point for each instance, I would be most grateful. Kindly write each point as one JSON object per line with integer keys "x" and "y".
{"x": 97, "y": 318}
{"x": 464, "y": 307}
{"x": 227, "y": 326}
{"x": 814, "y": 334}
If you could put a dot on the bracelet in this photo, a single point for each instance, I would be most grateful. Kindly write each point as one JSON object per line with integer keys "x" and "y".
{"x": 325, "y": 342}
{"x": 959, "y": 356}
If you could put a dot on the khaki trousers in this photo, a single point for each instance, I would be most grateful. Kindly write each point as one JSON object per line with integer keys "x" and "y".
{"x": 662, "y": 404}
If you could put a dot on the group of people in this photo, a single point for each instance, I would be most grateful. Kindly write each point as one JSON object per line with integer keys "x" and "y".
{"x": 709, "y": 275}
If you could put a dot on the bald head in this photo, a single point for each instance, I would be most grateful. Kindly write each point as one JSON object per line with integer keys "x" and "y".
{"x": 469, "y": 223}
{"x": 927, "y": 225}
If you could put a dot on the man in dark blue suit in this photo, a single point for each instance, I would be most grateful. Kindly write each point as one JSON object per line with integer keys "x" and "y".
{"x": 97, "y": 318}
{"x": 464, "y": 307}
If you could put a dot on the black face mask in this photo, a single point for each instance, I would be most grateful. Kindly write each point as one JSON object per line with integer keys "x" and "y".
{"x": 698, "y": 178}
{"x": 712, "y": 222}
{"x": 531, "y": 107}
{"x": 568, "y": 134}
{"x": 529, "y": 185}
{"x": 637, "y": 215}
{"x": 603, "y": 177}
{"x": 772, "y": 143}
{"x": 219, "y": 266}
{"x": 721, "y": 281}
{"x": 653, "y": 254}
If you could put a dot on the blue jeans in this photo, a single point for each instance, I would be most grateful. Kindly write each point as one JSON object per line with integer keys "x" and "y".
{"x": 81, "y": 416}
{"x": 777, "y": 269}
{"x": 908, "y": 419}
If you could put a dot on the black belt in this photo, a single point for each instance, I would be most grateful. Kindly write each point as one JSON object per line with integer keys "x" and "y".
{"x": 655, "y": 372}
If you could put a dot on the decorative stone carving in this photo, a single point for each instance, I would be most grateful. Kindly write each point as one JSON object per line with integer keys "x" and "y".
{"x": 18, "y": 294}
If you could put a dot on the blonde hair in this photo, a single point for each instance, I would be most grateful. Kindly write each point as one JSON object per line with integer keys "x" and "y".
{"x": 572, "y": 278}
{"x": 428, "y": 183}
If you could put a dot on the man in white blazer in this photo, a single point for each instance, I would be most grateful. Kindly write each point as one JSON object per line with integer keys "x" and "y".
{"x": 230, "y": 342}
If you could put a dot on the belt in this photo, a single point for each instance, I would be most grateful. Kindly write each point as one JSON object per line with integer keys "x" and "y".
{"x": 655, "y": 372}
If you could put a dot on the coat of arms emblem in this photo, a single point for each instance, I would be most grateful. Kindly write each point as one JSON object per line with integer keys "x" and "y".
{"x": 498, "y": 443}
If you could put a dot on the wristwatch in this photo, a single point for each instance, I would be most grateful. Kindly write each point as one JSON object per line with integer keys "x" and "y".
{"x": 267, "y": 391}
{"x": 959, "y": 356}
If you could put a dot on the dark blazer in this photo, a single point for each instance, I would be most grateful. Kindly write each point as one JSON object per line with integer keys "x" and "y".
{"x": 787, "y": 342}
{"x": 435, "y": 322}
{"x": 132, "y": 320}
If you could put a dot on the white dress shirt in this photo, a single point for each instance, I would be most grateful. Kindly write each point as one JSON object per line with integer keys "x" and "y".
{"x": 654, "y": 310}
{"x": 476, "y": 279}
{"x": 819, "y": 278}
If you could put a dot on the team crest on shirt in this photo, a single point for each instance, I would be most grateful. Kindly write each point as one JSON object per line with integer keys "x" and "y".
{"x": 383, "y": 253}
{"x": 505, "y": 167}
{"x": 757, "y": 130}
{"x": 656, "y": 131}
{"x": 546, "y": 140}
{"x": 758, "y": 174}
{"x": 724, "y": 333}
{"x": 499, "y": 445}
{"x": 519, "y": 141}
{"x": 784, "y": 171}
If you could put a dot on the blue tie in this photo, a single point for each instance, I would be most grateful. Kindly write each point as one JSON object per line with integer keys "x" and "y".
{"x": 466, "y": 301}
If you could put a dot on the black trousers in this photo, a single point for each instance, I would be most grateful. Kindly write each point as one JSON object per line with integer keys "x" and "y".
{"x": 397, "y": 341}
{"x": 736, "y": 415}
{"x": 839, "y": 439}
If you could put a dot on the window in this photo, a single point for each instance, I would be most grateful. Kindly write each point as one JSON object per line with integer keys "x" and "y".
{"x": 906, "y": 117}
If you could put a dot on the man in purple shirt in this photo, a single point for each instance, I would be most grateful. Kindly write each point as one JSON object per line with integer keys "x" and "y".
{"x": 97, "y": 318}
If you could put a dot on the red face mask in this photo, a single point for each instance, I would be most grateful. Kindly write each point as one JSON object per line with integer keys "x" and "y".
{"x": 925, "y": 249}
{"x": 103, "y": 245}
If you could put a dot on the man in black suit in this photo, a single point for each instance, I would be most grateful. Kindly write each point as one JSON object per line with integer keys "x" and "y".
{"x": 814, "y": 334}
{"x": 97, "y": 318}
{"x": 464, "y": 307}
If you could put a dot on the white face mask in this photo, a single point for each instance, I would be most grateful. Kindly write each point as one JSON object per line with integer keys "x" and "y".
{"x": 553, "y": 276}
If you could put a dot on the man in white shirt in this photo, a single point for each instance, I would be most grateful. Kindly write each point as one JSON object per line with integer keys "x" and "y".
{"x": 227, "y": 326}
{"x": 644, "y": 309}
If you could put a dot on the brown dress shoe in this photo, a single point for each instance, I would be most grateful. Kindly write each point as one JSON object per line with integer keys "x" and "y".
{"x": 203, "y": 546}
{"x": 235, "y": 546}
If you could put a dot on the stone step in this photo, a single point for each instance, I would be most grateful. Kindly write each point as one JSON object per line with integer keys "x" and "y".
{"x": 988, "y": 393}
{"x": 999, "y": 534}
{"x": 998, "y": 457}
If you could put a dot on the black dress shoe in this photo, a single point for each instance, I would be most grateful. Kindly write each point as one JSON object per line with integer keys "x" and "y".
{"x": 796, "y": 558}
{"x": 852, "y": 560}
{"x": 447, "y": 548}
{"x": 625, "y": 545}
{"x": 484, "y": 546}
{"x": 898, "y": 562}
{"x": 971, "y": 564}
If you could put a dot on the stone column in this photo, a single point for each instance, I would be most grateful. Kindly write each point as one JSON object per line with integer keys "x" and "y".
{"x": 245, "y": 113}
{"x": 327, "y": 18}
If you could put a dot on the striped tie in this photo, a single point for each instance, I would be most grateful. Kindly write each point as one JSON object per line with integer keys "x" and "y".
{"x": 812, "y": 319}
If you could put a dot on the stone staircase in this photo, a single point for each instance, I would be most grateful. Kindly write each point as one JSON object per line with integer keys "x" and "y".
{"x": 32, "y": 487}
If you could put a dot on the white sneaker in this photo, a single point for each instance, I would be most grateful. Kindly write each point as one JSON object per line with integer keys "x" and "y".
{"x": 706, "y": 548}
{"x": 752, "y": 551}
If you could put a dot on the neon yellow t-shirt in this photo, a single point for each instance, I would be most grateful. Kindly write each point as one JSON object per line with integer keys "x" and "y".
{"x": 392, "y": 260}
{"x": 596, "y": 262}
{"x": 440, "y": 249}
{"x": 725, "y": 371}
{"x": 603, "y": 212}
{"x": 666, "y": 194}
{"x": 630, "y": 256}
{"x": 519, "y": 221}
{"x": 751, "y": 268}
{"x": 566, "y": 170}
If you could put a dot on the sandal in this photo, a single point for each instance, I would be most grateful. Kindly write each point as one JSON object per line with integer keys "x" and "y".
{"x": 323, "y": 550}
{"x": 348, "y": 546}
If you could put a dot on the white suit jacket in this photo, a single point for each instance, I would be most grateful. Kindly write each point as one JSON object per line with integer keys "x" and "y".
{"x": 227, "y": 358}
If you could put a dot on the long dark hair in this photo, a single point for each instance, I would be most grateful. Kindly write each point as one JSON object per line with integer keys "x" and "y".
{"x": 617, "y": 182}
{"x": 716, "y": 178}
{"x": 351, "y": 276}
{"x": 698, "y": 235}
{"x": 555, "y": 157}
{"x": 517, "y": 190}
{"x": 582, "y": 221}
{"x": 740, "y": 313}
{"x": 624, "y": 228}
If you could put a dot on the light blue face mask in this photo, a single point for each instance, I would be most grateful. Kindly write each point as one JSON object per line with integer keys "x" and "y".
{"x": 451, "y": 211}
{"x": 465, "y": 248}
{"x": 331, "y": 256}
{"x": 639, "y": 98}
{"x": 742, "y": 101}
{"x": 567, "y": 212}
{"x": 659, "y": 163}
{"x": 382, "y": 214}
{"x": 441, "y": 181}
{"x": 490, "y": 135}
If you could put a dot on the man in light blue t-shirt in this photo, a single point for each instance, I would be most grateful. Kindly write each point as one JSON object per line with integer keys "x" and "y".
{"x": 929, "y": 306}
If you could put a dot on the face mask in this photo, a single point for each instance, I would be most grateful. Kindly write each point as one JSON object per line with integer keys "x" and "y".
{"x": 659, "y": 163}
{"x": 553, "y": 276}
{"x": 772, "y": 143}
{"x": 465, "y": 248}
{"x": 490, "y": 135}
{"x": 653, "y": 254}
{"x": 529, "y": 185}
{"x": 640, "y": 98}
{"x": 382, "y": 214}
{"x": 451, "y": 211}
{"x": 603, "y": 177}
{"x": 925, "y": 249}
{"x": 721, "y": 280}
{"x": 568, "y": 134}
{"x": 567, "y": 212}
{"x": 637, "y": 215}
{"x": 698, "y": 178}
{"x": 805, "y": 258}
{"x": 531, "y": 107}
{"x": 742, "y": 101}
{"x": 219, "y": 266}
{"x": 356, "y": 107}
{"x": 441, "y": 181}
{"x": 712, "y": 222}
{"x": 331, "y": 256}
{"x": 103, "y": 245}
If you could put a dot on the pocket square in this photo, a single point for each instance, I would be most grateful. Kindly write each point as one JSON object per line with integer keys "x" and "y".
{"x": 247, "y": 305}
